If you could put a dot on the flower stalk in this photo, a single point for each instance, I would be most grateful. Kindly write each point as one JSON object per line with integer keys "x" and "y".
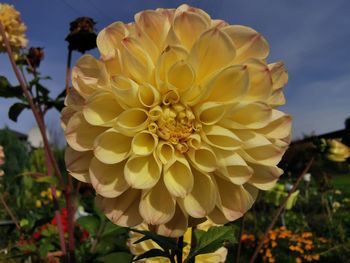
{"x": 8, "y": 210}
{"x": 280, "y": 209}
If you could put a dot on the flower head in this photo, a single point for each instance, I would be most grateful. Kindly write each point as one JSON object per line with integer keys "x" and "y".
{"x": 176, "y": 122}
{"x": 337, "y": 151}
{"x": 14, "y": 28}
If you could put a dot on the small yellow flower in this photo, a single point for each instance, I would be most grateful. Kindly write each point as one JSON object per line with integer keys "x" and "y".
{"x": 14, "y": 28}
{"x": 298, "y": 260}
{"x": 177, "y": 120}
{"x": 38, "y": 203}
{"x": 337, "y": 152}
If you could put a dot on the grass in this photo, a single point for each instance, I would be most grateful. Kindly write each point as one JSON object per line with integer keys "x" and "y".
{"x": 342, "y": 182}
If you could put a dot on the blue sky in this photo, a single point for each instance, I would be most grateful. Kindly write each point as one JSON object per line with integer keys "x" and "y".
{"x": 312, "y": 37}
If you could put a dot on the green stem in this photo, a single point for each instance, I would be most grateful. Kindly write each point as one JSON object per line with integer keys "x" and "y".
{"x": 180, "y": 246}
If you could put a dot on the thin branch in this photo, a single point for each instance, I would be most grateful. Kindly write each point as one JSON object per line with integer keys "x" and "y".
{"x": 180, "y": 246}
{"x": 238, "y": 255}
{"x": 98, "y": 236}
{"x": 279, "y": 210}
{"x": 8, "y": 210}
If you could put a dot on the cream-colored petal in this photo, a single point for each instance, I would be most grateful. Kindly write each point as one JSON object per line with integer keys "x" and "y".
{"x": 108, "y": 40}
{"x": 265, "y": 155}
{"x": 279, "y": 75}
{"x": 102, "y": 109}
{"x": 248, "y": 116}
{"x": 233, "y": 167}
{"x": 235, "y": 200}
{"x": 122, "y": 210}
{"x": 144, "y": 143}
{"x": 136, "y": 60}
{"x": 188, "y": 26}
{"x": 178, "y": 176}
{"x": 167, "y": 59}
{"x": 210, "y": 113}
{"x": 157, "y": 206}
{"x": 181, "y": 75}
{"x": 217, "y": 216}
{"x": 191, "y": 9}
{"x": 218, "y": 256}
{"x": 220, "y": 137}
{"x": 176, "y": 227}
{"x": 142, "y": 172}
{"x": 249, "y": 43}
{"x": 74, "y": 100}
{"x": 203, "y": 158}
{"x": 66, "y": 114}
{"x": 279, "y": 127}
{"x": 80, "y": 135}
{"x": 131, "y": 121}
{"x": 77, "y": 164}
{"x": 194, "y": 141}
{"x": 112, "y": 147}
{"x": 204, "y": 55}
{"x": 126, "y": 90}
{"x": 277, "y": 98}
{"x": 88, "y": 75}
{"x": 148, "y": 95}
{"x": 165, "y": 152}
{"x": 265, "y": 177}
{"x": 260, "y": 79}
{"x": 114, "y": 65}
{"x": 107, "y": 179}
{"x": 146, "y": 44}
{"x": 154, "y": 24}
{"x": 196, "y": 203}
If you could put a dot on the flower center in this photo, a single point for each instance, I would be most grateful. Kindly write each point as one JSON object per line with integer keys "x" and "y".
{"x": 173, "y": 123}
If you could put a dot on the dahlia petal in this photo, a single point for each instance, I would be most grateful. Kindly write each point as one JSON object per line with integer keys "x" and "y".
{"x": 176, "y": 227}
{"x": 144, "y": 143}
{"x": 132, "y": 121}
{"x": 167, "y": 59}
{"x": 252, "y": 139}
{"x": 248, "y": 116}
{"x": 112, "y": 147}
{"x": 279, "y": 127}
{"x": 126, "y": 90}
{"x": 107, "y": 179}
{"x": 187, "y": 73}
{"x": 191, "y": 9}
{"x": 66, "y": 114}
{"x": 249, "y": 43}
{"x": 203, "y": 158}
{"x": 114, "y": 65}
{"x": 89, "y": 74}
{"x": 204, "y": 55}
{"x": 101, "y": 109}
{"x": 197, "y": 204}
{"x": 233, "y": 167}
{"x": 194, "y": 141}
{"x": 266, "y": 155}
{"x": 165, "y": 152}
{"x": 108, "y": 40}
{"x": 220, "y": 137}
{"x": 122, "y": 210}
{"x": 148, "y": 95}
{"x": 265, "y": 177}
{"x": 277, "y": 98}
{"x": 157, "y": 206}
{"x": 218, "y": 256}
{"x": 77, "y": 164}
{"x": 154, "y": 24}
{"x": 136, "y": 60}
{"x": 260, "y": 87}
{"x": 80, "y": 134}
{"x": 210, "y": 113}
{"x": 74, "y": 100}
{"x": 188, "y": 26}
{"x": 217, "y": 216}
{"x": 234, "y": 201}
{"x": 142, "y": 172}
{"x": 178, "y": 177}
{"x": 279, "y": 75}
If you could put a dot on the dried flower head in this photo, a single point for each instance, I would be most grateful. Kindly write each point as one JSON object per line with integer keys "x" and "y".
{"x": 14, "y": 28}
{"x": 177, "y": 121}
{"x": 82, "y": 36}
{"x": 35, "y": 56}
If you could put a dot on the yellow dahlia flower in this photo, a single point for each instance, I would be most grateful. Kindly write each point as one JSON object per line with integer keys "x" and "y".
{"x": 14, "y": 28}
{"x": 137, "y": 249}
{"x": 176, "y": 122}
{"x": 337, "y": 152}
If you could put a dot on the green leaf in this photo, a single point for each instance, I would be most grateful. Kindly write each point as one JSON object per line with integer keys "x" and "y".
{"x": 164, "y": 242}
{"x": 16, "y": 109}
{"x": 152, "y": 253}
{"x": 211, "y": 240}
{"x": 112, "y": 229}
{"x": 120, "y": 257}
{"x": 7, "y": 91}
{"x": 52, "y": 180}
{"x": 90, "y": 223}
